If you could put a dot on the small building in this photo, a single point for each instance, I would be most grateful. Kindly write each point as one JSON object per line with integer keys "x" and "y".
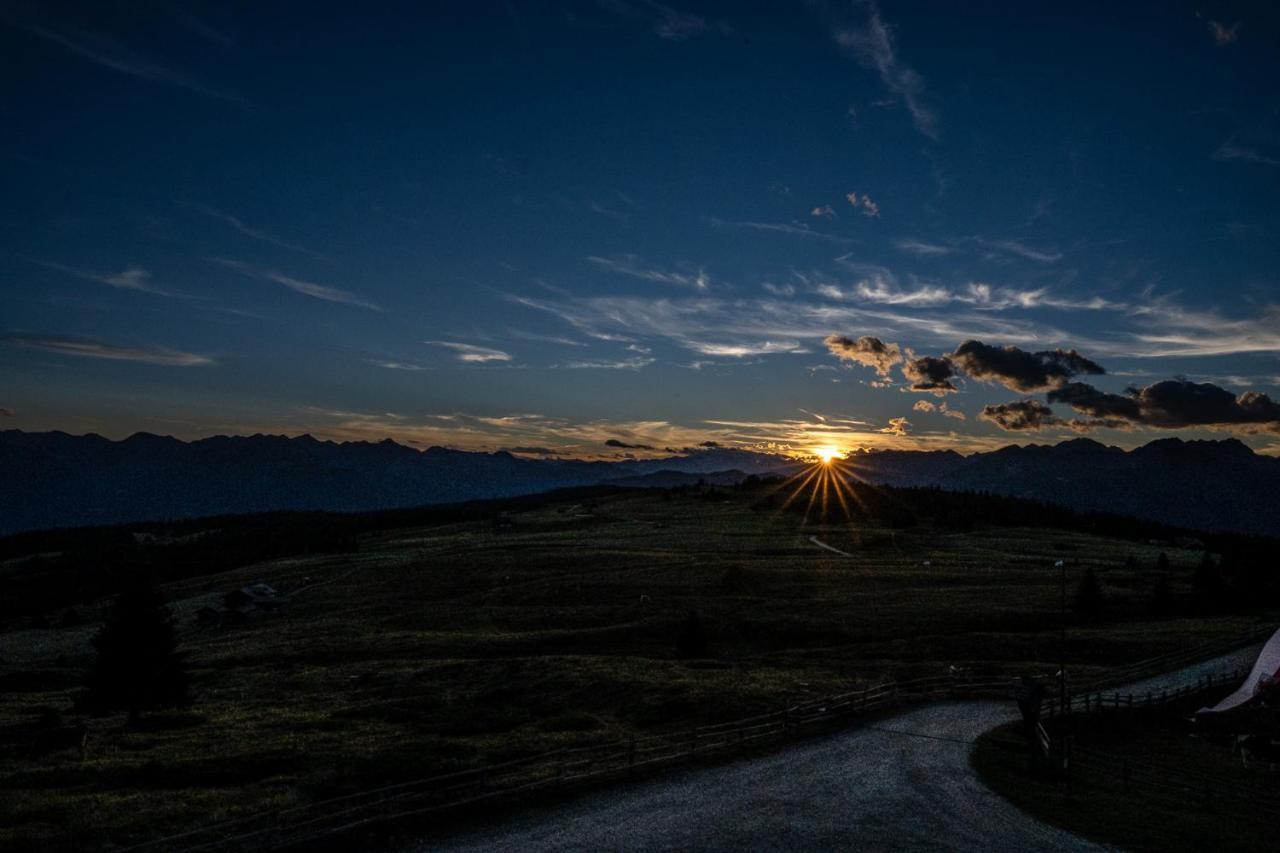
{"x": 207, "y": 615}
{"x": 255, "y": 598}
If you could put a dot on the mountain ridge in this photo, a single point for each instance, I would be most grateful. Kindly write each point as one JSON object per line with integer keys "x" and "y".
{"x": 55, "y": 479}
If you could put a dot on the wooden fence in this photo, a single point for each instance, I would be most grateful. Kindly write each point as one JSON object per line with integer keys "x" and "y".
{"x": 564, "y": 769}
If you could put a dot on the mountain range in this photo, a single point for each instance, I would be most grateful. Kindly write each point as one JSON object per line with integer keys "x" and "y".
{"x": 54, "y": 479}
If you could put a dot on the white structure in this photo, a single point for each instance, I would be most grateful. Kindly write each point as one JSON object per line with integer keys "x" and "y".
{"x": 1264, "y": 676}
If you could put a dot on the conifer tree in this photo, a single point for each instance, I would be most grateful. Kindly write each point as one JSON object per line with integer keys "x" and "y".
{"x": 692, "y": 640}
{"x": 138, "y": 666}
{"x": 1162, "y": 597}
{"x": 1088, "y": 597}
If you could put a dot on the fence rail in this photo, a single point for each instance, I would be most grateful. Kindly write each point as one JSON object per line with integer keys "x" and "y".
{"x": 561, "y": 769}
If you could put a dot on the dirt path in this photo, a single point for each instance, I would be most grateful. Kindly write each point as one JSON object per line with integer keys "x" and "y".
{"x": 904, "y": 783}
{"x": 816, "y": 541}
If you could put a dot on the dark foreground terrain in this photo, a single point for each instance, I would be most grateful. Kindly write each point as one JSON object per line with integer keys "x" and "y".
{"x": 410, "y": 651}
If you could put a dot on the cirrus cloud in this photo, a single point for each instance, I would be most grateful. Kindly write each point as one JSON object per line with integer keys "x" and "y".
{"x": 88, "y": 348}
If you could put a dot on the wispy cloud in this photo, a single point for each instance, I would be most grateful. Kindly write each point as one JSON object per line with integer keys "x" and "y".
{"x": 1169, "y": 329}
{"x": 611, "y": 213}
{"x": 88, "y": 348}
{"x": 255, "y": 233}
{"x": 634, "y": 363}
{"x": 109, "y": 54}
{"x": 1222, "y": 34}
{"x": 306, "y": 288}
{"x": 1232, "y": 151}
{"x": 1013, "y": 247}
{"x": 740, "y": 328}
{"x": 633, "y": 266}
{"x": 742, "y": 350}
{"x": 872, "y": 44}
{"x": 823, "y": 212}
{"x": 132, "y": 277}
{"x": 472, "y": 354}
{"x": 396, "y": 365}
{"x": 919, "y": 247}
{"x": 798, "y": 229}
{"x": 665, "y": 21}
{"x": 546, "y": 339}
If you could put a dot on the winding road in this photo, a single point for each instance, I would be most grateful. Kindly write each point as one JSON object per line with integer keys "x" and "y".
{"x": 904, "y": 783}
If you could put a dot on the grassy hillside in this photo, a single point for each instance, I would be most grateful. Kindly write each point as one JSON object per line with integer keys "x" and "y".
{"x": 430, "y": 648}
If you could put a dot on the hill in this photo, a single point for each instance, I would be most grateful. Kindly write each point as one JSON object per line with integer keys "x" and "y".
{"x": 425, "y": 646}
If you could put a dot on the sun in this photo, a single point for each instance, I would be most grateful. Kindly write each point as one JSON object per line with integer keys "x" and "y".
{"x": 827, "y": 454}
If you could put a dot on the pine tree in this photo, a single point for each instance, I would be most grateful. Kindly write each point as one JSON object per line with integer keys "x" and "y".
{"x": 1162, "y": 597}
{"x": 138, "y": 666}
{"x": 1206, "y": 578}
{"x": 1088, "y": 597}
{"x": 692, "y": 640}
{"x": 1162, "y": 563}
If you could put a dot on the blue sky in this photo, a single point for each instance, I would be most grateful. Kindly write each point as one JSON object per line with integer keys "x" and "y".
{"x": 522, "y": 225}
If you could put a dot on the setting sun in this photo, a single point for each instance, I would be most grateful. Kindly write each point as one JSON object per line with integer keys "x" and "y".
{"x": 827, "y": 454}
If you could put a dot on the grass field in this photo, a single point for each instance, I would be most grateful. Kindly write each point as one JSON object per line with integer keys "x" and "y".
{"x": 1142, "y": 781}
{"x": 429, "y": 649}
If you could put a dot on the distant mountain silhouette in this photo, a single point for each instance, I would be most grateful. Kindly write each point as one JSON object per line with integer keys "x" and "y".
{"x": 58, "y": 480}
{"x": 1208, "y": 485}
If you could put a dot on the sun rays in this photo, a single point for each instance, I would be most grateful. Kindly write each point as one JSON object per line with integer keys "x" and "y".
{"x": 824, "y": 486}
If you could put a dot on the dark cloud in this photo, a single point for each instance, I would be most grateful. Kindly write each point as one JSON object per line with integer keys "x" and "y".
{"x": 534, "y": 451}
{"x": 1019, "y": 415}
{"x": 1019, "y": 370}
{"x": 613, "y": 442}
{"x": 930, "y": 375}
{"x": 867, "y": 351}
{"x": 709, "y": 444}
{"x": 1090, "y": 401}
{"x": 1174, "y": 404}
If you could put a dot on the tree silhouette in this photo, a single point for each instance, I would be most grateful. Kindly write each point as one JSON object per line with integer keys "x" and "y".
{"x": 1088, "y": 597}
{"x": 1162, "y": 597}
{"x": 1207, "y": 578}
{"x": 138, "y": 666}
{"x": 1162, "y": 562}
{"x": 692, "y": 640}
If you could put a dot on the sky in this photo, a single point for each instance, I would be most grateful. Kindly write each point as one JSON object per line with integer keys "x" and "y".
{"x": 547, "y": 226}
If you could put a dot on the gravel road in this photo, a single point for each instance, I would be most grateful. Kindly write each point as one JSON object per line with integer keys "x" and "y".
{"x": 904, "y": 784}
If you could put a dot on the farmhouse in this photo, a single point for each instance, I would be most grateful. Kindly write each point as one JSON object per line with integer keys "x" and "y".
{"x": 255, "y": 598}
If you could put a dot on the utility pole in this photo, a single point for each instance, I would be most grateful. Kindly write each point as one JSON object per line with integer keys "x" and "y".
{"x": 1064, "y": 705}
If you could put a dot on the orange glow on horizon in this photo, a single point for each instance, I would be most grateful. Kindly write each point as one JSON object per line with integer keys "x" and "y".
{"x": 828, "y": 454}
